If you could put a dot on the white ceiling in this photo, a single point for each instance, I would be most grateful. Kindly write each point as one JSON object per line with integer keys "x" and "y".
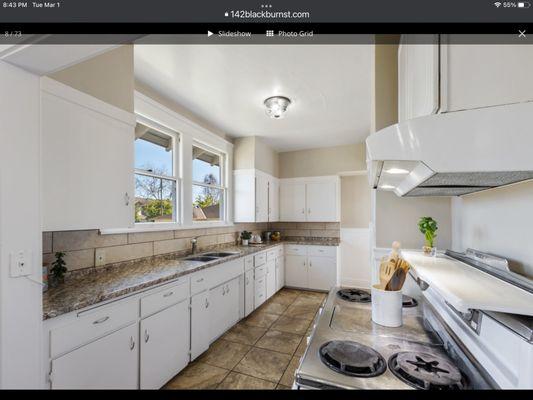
{"x": 329, "y": 86}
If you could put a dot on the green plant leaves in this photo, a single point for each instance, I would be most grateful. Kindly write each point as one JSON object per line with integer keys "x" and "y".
{"x": 428, "y": 226}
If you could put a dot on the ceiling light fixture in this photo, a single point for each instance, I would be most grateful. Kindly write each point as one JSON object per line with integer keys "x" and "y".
{"x": 396, "y": 171}
{"x": 276, "y": 106}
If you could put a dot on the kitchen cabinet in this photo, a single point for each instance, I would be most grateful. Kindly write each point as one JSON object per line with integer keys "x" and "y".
{"x": 164, "y": 345}
{"x": 280, "y": 272}
{"x": 110, "y": 362}
{"x": 296, "y": 271}
{"x": 87, "y": 161}
{"x": 311, "y": 267}
{"x": 314, "y": 199}
{"x": 200, "y": 324}
{"x": 249, "y": 292}
{"x": 224, "y": 306}
{"x": 256, "y": 197}
{"x": 443, "y": 75}
{"x": 270, "y": 278}
{"x": 321, "y": 273}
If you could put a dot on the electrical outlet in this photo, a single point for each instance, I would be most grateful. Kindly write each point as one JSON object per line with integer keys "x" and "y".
{"x": 20, "y": 264}
{"x": 99, "y": 257}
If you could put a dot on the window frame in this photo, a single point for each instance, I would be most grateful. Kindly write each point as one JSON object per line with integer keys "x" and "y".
{"x": 176, "y": 172}
{"x": 223, "y": 181}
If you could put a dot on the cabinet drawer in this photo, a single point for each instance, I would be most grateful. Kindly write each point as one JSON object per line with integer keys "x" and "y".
{"x": 295, "y": 250}
{"x": 168, "y": 295}
{"x": 259, "y": 259}
{"x": 92, "y": 324}
{"x": 322, "y": 251}
{"x": 199, "y": 282}
{"x": 260, "y": 272}
{"x": 248, "y": 263}
{"x": 272, "y": 254}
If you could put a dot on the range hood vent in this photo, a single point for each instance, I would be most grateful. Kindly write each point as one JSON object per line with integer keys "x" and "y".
{"x": 454, "y": 154}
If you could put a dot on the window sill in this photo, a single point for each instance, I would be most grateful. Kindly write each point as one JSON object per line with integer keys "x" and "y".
{"x": 164, "y": 226}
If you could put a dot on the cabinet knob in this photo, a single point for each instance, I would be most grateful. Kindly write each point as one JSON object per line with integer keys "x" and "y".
{"x": 309, "y": 211}
{"x": 146, "y": 336}
{"x": 206, "y": 303}
{"x": 127, "y": 199}
{"x": 303, "y": 210}
{"x": 132, "y": 343}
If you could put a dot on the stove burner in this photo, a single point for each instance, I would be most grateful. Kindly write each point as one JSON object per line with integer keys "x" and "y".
{"x": 351, "y": 358}
{"x": 354, "y": 295}
{"x": 426, "y": 371}
{"x": 408, "y": 301}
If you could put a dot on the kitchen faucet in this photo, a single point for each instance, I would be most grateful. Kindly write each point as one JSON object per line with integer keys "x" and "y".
{"x": 194, "y": 242}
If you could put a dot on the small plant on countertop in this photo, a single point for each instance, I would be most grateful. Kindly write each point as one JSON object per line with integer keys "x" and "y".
{"x": 245, "y": 237}
{"x": 428, "y": 226}
{"x": 58, "y": 269}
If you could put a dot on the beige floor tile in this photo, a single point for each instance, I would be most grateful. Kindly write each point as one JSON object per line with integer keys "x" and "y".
{"x": 307, "y": 301}
{"x": 284, "y": 297}
{"x": 264, "y": 364}
{"x": 283, "y": 342}
{"x": 235, "y": 380}
{"x": 261, "y": 319}
{"x": 245, "y": 334}
{"x": 272, "y": 307}
{"x": 224, "y": 354}
{"x": 292, "y": 325}
{"x": 288, "y": 376}
{"x": 283, "y": 387}
{"x": 198, "y": 376}
{"x": 307, "y": 311}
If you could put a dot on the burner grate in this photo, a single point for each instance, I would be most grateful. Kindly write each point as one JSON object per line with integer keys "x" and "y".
{"x": 426, "y": 371}
{"x": 408, "y": 301}
{"x": 354, "y": 295}
{"x": 352, "y": 359}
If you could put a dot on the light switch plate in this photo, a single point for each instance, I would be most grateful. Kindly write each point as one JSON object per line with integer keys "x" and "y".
{"x": 99, "y": 258}
{"x": 20, "y": 264}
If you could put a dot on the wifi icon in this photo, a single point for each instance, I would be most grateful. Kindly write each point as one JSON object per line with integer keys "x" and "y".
{"x": 497, "y": 4}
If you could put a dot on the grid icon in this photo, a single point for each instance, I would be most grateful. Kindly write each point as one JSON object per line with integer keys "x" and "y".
{"x": 270, "y": 33}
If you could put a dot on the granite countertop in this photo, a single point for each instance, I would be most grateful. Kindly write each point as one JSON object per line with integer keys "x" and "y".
{"x": 110, "y": 283}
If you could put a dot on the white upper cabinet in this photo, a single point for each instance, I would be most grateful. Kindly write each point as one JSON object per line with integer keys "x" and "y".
{"x": 87, "y": 161}
{"x": 256, "y": 196}
{"x": 448, "y": 76}
{"x": 310, "y": 199}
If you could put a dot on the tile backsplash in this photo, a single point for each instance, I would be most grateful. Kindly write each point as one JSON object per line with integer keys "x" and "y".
{"x": 88, "y": 248}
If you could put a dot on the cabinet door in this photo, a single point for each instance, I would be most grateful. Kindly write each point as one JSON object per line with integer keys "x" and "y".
{"x": 165, "y": 339}
{"x": 322, "y": 201}
{"x": 200, "y": 335}
{"x": 248, "y": 292}
{"x": 322, "y": 273}
{"x": 224, "y": 308}
{"x": 111, "y": 362}
{"x": 261, "y": 198}
{"x": 271, "y": 278}
{"x": 273, "y": 200}
{"x": 280, "y": 272}
{"x": 292, "y": 201}
{"x": 296, "y": 271}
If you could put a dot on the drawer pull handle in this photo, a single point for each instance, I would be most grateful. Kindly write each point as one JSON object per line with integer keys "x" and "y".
{"x": 101, "y": 320}
{"x": 132, "y": 343}
{"x": 168, "y": 294}
{"x": 199, "y": 280}
{"x": 146, "y": 336}
{"x": 206, "y": 303}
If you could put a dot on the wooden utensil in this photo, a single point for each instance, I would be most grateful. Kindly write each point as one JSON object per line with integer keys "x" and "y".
{"x": 398, "y": 278}
{"x": 386, "y": 271}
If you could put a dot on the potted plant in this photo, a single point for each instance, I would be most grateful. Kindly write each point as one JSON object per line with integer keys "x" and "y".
{"x": 245, "y": 237}
{"x": 58, "y": 269}
{"x": 428, "y": 226}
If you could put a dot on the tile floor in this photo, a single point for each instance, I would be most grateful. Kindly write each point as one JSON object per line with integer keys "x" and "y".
{"x": 261, "y": 352}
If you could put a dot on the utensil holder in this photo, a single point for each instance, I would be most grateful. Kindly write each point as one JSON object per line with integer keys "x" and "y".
{"x": 386, "y": 307}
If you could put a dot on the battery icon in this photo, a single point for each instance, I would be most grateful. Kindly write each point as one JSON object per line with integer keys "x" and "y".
{"x": 524, "y": 4}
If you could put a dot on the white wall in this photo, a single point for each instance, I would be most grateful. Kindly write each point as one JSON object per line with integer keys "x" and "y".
{"x": 20, "y": 230}
{"x": 497, "y": 221}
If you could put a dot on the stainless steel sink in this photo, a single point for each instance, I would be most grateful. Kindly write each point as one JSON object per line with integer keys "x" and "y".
{"x": 220, "y": 254}
{"x": 201, "y": 258}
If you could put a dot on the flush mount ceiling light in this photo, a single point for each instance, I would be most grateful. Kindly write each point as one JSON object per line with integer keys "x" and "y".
{"x": 276, "y": 106}
{"x": 396, "y": 171}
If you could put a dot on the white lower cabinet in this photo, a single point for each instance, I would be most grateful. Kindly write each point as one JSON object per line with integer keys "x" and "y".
{"x": 224, "y": 309}
{"x": 260, "y": 291}
{"x": 200, "y": 322}
{"x": 270, "y": 278}
{"x": 249, "y": 292}
{"x": 296, "y": 271}
{"x": 110, "y": 362}
{"x": 280, "y": 272}
{"x": 164, "y": 345}
{"x": 322, "y": 273}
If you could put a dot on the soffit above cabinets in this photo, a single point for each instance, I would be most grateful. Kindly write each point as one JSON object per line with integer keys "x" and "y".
{"x": 329, "y": 88}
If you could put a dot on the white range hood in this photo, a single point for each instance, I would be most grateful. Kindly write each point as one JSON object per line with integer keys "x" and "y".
{"x": 455, "y": 153}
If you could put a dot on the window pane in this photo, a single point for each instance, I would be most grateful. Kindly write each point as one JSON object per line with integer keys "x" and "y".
{"x": 207, "y": 203}
{"x": 153, "y": 155}
{"x": 154, "y": 199}
{"x": 205, "y": 166}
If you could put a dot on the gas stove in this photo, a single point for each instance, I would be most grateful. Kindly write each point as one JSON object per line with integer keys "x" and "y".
{"x": 347, "y": 350}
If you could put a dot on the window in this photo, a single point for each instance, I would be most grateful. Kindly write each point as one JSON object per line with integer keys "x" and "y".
{"x": 156, "y": 174}
{"x": 208, "y": 186}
